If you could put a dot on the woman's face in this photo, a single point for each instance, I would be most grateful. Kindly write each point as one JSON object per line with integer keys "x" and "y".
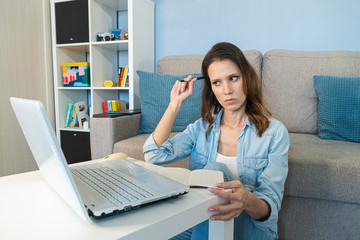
{"x": 227, "y": 84}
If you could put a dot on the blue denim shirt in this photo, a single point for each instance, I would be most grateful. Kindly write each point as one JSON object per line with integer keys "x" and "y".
{"x": 262, "y": 162}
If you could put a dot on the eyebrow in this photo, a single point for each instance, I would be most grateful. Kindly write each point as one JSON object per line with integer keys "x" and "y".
{"x": 227, "y": 76}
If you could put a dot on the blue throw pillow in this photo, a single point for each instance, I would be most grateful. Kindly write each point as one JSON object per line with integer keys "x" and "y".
{"x": 339, "y": 107}
{"x": 155, "y": 97}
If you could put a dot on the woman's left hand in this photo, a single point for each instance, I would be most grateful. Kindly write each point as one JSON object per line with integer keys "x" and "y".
{"x": 238, "y": 198}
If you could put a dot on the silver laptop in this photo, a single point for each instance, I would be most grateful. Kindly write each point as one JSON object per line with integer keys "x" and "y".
{"x": 95, "y": 189}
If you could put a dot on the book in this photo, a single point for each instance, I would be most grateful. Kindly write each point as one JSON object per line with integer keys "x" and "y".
{"x": 195, "y": 178}
{"x": 115, "y": 105}
{"x": 124, "y": 76}
{"x": 127, "y": 81}
{"x": 69, "y": 110}
{"x": 119, "y": 77}
{"x": 81, "y": 113}
{"x": 116, "y": 114}
{"x": 122, "y": 105}
{"x": 73, "y": 116}
{"x": 109, "y": 105}
{"x": 105, "y": 107}
{"x": 69, "y": 115}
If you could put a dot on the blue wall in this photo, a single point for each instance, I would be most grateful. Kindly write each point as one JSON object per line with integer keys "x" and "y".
{"x": 193, "y": 26}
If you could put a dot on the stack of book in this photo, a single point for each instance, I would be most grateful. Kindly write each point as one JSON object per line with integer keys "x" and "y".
{"x": 76, "y": 114}
{"x": 123, "y": 77}
{"x": 113, "y": 106}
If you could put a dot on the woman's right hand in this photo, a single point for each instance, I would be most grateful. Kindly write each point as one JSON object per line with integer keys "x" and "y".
{"x": 182, "y": 90}
{"x": 179, "y": 93}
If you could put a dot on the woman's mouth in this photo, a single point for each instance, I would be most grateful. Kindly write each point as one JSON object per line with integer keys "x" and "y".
{"x": 230, "y": 101}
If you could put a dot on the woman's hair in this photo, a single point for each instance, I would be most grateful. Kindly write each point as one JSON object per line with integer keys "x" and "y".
{"x": 255, "y": 108}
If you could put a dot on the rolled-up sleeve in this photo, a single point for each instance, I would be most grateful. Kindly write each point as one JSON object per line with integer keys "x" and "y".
{"x": 172, "y": 150}
{"x": 272, "y": 180}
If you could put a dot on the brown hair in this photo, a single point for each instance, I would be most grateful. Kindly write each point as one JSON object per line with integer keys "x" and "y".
{"x": 255, "y": 108}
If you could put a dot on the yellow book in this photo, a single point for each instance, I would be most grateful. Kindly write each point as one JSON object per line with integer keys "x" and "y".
{"x": 124, "y": 76}
{"x": 115, "y": 105}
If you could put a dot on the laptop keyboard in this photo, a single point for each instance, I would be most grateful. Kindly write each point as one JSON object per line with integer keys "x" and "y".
{"x": 113, "y": 185}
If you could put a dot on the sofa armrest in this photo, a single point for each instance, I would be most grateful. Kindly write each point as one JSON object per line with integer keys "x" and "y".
{"x": 105, "y": 132}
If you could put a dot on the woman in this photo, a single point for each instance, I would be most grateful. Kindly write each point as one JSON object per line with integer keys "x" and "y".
{"x": 235, "y": 135}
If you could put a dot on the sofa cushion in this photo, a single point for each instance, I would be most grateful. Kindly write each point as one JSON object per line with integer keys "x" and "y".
{"x": 339, "y": 107}
{"x": 324, "y": 169}
{"x": 105, "y": 131}
{"x": 287, "y": 78}
{"x": 155, "y": 91}
{"x": 133, "y": 147}
{"x": 183, "y": 64}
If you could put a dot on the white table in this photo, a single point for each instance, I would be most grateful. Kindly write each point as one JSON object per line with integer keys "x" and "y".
{"x": 31, "y": 209}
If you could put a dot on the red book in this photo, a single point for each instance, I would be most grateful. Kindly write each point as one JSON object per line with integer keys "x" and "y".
{"x": 121, "y": 76}
{"x": 105, "y": 107}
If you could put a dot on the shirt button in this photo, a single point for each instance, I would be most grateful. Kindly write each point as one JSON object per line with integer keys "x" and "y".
{"x": 256, "y": 165}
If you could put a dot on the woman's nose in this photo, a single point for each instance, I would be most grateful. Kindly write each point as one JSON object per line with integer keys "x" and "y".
{"x": 227, "y": 89}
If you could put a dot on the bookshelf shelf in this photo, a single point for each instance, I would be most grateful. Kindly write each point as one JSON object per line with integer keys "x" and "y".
{"x": 74, "y": 88}
{"x": 75, "y": 129}
{"x": 111, "y": 88}
{"x": 119, "y": 44}
{"x": 135, "y": 16}
{"x": 74, "y": 46}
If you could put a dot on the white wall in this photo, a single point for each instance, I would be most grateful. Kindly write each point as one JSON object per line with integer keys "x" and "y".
{"x": 25, "y": 71}
{"x": 193, "y": 26}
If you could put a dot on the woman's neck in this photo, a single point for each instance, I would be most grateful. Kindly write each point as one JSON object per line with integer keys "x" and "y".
{"x": 233, "y": 119}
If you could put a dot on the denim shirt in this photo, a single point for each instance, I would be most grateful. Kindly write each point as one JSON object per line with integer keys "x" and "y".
{"x": 262, "y": 162}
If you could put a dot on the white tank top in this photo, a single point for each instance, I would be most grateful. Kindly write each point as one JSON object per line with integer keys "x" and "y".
{"x": 230, "y": 162}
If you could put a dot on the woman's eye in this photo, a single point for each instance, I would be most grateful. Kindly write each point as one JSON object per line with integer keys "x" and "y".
{"x": 233, "y": 78}
{"x": 216, "y": 83}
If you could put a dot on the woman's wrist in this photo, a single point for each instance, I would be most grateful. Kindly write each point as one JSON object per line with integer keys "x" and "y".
{"x": 175, "y": 106}
{"x": 163, "y": 129}
{"x": 256, "y": 208}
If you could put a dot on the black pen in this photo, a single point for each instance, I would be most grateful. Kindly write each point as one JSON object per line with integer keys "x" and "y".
{"x": 183, "y": 80}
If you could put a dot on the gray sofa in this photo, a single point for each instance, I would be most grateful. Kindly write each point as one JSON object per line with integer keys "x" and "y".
{"x": 322, "y": 192}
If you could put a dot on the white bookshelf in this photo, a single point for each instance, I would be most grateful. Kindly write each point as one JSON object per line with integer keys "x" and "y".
{"x": 105, "y": 57}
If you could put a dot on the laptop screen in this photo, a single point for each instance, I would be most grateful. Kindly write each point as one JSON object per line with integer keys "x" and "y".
{"x": 46, "y": 150}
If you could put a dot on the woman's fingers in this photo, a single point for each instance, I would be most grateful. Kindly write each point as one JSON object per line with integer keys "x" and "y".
{"x": 226, "y": 216}
{"x": 220, "y": 193}
{"x": 174, "y": 90}
{"x": 225, "y": 212}
{"x": 229, "y": 185}
{"x": 191, "y": 85}
{"x": 186, "y": 84}
{"x": 183, "y": 86}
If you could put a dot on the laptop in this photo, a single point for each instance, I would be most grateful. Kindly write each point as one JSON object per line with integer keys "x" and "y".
{"x": 93, "y": 189}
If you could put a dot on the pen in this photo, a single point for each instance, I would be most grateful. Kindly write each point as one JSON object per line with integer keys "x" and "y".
{"x": 183, "y": 80}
